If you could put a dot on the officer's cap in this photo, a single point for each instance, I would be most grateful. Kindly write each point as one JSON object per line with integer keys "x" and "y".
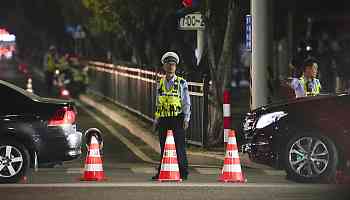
{"x": 311, "y": 62}
{"x": 52, "y": 48}
{"x": 170, "y": 57}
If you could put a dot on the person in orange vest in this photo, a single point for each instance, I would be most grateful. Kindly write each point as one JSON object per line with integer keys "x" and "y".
{"x": 173, "y": 111}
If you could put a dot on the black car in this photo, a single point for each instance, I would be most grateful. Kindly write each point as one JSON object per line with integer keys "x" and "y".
{"x": 34, "y": 130}
{"x": 308, "y": 137}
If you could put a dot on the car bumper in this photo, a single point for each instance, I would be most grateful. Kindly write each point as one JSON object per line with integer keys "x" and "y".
{"x": 63, "y": 143}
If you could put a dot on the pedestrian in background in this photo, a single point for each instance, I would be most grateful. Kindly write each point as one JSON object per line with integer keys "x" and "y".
{"x": 173, "y": 111}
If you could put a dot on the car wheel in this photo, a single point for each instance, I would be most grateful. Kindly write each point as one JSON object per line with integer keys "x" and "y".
{"x": 311, "y": 158}
{"x": 14, "y": 161}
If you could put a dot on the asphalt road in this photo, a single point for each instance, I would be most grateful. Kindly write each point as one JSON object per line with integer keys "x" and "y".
{"x": 128, "y": 177}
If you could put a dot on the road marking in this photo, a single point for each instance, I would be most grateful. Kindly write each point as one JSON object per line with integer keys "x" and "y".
{"x": 168, "y": 184}
{"x": 123, "y": 139}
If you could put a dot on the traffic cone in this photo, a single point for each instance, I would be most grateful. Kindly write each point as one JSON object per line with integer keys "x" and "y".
{"x": 93, "y": 164}
{"x": 169, "y": 170}
{"x": 232, "y": 171}
{"x": 29, "y": 85}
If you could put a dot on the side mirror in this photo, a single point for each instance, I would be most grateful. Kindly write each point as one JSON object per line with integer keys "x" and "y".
{"x": 93, "y": 132}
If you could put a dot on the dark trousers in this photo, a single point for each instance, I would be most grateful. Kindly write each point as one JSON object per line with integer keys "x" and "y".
{"x": 176, "y": 125}
{"x": 49, "y": 81}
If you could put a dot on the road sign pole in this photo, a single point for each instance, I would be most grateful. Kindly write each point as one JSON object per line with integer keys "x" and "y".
{"x": 200, "y": 45}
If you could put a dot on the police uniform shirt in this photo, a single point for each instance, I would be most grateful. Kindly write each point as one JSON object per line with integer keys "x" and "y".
{"x": 299, "y": 87}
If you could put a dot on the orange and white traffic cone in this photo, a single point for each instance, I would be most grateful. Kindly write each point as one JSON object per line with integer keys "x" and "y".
{"x": 232, "y": 171}
{"x": 169, "y": 170}
{"x": 93, "y": 164}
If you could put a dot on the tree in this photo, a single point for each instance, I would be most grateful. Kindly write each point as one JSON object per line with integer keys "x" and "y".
{"x": 222, "y": 36}
{"x": 140, "y": 25}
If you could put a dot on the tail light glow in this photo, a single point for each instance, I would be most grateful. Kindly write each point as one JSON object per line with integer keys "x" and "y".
{"x": 63, "y": 116}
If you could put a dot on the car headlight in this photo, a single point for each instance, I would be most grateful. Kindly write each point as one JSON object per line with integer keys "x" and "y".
{"x": 269, "y": 118}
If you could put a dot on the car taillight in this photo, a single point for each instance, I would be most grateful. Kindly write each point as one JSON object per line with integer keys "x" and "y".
{"x": 62, "y": 116}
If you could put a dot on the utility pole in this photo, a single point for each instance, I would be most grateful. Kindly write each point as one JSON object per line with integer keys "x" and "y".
{"x": 261, "y": 48}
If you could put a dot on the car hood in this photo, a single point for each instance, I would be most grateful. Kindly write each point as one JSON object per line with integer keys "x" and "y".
{"x": 283, "y": 105}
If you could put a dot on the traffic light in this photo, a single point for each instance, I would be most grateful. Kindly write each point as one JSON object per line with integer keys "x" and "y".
{"x": 190, "y": 3}
{"x": 189, "y": 6}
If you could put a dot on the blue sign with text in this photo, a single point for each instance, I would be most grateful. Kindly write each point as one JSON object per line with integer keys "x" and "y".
{"x": 248, "y": 32}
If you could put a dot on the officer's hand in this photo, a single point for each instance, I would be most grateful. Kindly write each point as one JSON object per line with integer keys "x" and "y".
{"x": 185, "y": 125}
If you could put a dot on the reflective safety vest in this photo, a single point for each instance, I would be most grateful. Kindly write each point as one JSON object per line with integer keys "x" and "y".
{"x": 316, "y": 87}
{"x": 63, "y": 64}
{"x": 169, "y": 101}
{"x": 51, "y": 65}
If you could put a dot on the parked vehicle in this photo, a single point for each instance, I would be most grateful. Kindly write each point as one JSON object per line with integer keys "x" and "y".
{"x": 34, "y": 130}
{"x": 308, "y": 137}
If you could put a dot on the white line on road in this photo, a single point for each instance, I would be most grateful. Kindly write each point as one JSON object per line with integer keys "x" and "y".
{"x": 159, "y": 184}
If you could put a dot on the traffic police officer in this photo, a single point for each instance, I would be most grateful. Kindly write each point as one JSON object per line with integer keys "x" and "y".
{"x": 50, "y": 65}
{"x": 307, "y": 84}
{"x": 173, "y": 110}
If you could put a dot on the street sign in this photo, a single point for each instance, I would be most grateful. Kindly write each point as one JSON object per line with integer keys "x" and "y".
{"x": 193, "y": 21}
{"x": 248, "y": 32}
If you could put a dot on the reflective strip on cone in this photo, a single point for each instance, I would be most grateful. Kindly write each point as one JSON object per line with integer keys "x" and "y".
{"x": 170, "y": 167}
{"x": 232, "y": 168}
{"x": 93, "y": 167}
{"x": 94, "y": 153}
{"x": 170, "y": 153}
{"x": 232, "y": 141}
{"x": 232, "y": 154}
{"x": 170, "y": 141}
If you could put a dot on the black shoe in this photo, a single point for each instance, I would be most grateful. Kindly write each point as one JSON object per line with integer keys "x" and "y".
{"x": 184, "y": 177}
{"x": 155, "y": 177}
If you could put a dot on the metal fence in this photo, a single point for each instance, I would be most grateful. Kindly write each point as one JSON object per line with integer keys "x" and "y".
{"x": 135, "y": 90}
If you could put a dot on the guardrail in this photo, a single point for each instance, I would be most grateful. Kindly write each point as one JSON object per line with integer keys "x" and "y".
{"x": 135, "y": 90}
